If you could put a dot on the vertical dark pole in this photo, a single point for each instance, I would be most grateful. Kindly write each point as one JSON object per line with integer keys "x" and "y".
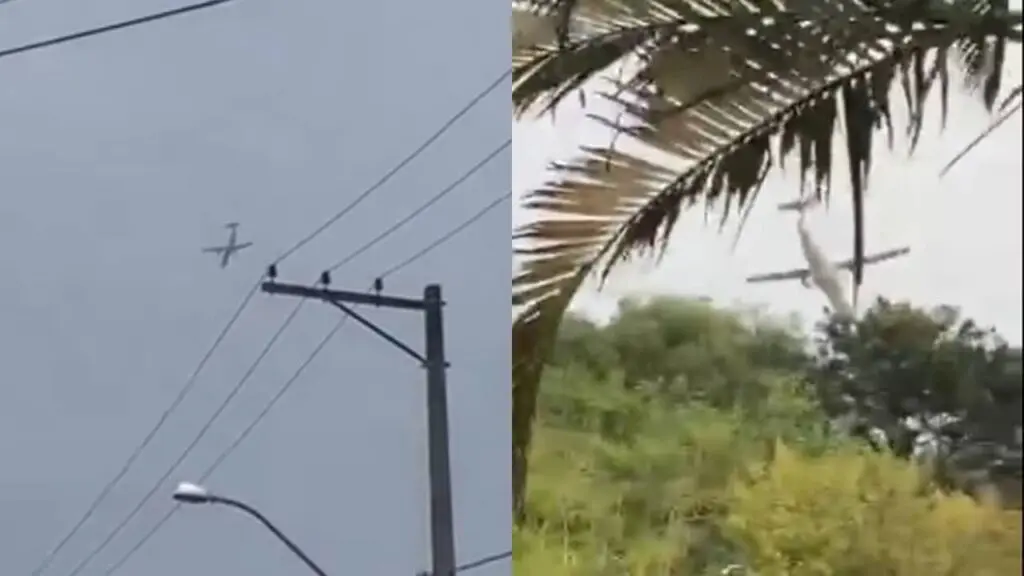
{"x": 442, "y": 532}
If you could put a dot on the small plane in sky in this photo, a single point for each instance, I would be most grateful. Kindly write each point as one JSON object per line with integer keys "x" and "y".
{"x": 231, "y": 247}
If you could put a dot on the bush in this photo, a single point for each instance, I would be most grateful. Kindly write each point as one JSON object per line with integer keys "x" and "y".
{"x": 852, "y": 513}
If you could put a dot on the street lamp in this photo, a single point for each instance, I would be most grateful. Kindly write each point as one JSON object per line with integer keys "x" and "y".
{"x": 189, "y": 493}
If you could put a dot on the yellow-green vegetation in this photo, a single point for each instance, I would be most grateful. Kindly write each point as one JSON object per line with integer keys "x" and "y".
{"x": 681, "y": 440}
{"x": 851, "y": 513}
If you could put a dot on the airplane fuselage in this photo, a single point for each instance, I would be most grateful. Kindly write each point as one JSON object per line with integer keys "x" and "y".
{"x": 230, "y": 248}
{"x": 823, "y": 273}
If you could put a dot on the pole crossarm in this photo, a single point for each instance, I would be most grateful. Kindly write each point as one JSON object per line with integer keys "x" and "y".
{"x": 344, "y": 296}
{"x": 340, "y": 298}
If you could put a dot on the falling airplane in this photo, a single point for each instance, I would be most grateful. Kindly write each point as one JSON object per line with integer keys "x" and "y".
{"x": 231, "y": 247}
{"x": 821, "y": 272}
{"x": 804, "y": 274}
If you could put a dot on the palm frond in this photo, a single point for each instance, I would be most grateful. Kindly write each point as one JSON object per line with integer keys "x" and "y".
{"x": 782, "y": 85}
{"x": 683, "y": 35}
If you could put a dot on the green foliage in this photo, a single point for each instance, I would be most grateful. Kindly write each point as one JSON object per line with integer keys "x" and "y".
{"x": 686, "y": 350}
{"x": 899, "y": 362}
{"x": 681, "y": 439}
{"x": 850, "y": 513}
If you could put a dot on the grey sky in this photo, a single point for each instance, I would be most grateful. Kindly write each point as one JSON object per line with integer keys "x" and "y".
{"x": 122, "y": 155}
{"x": 964, "y": 230}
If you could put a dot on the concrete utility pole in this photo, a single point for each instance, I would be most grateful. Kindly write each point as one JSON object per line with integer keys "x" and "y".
{"x": 442, "y": 533}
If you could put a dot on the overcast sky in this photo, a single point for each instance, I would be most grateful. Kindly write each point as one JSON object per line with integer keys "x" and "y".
{"x": 964, "y": 230}
{"x": 122, "y": 155}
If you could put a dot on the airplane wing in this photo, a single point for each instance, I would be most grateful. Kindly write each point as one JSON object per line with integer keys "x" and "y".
{"x": 877, "y": 257}
{"x": 242, "y": 245}
{"x": 788, "y": 275}
{"x": 215, "y": 249}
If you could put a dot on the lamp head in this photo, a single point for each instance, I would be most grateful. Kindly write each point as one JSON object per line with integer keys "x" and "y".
{"x": 190, "y": 493}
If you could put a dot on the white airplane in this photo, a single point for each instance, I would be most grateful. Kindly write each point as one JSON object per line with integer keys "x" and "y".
{"x": 231, "y": 247}
{"x": 821, "y": 272}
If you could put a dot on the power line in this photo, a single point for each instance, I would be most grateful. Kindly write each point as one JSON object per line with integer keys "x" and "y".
{"x": 234, "y": 444}
{"x": 484, "y": 561}
{"x": 189, "y": 384}
{"x": 477, "y": 563}
{"x": 195, "y": 441}
{"x": 405, "y": 161}
{"x": 448, "y": 236}
{"x": 273, "y": 401}
{"x": 111, "y": 27}
{"x": 422, "y": 208}
{"x": 291, "y": 381}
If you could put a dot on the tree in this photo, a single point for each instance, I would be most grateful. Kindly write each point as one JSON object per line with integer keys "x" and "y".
{"x": 926, "y": 378}
{"x": 730, "y": 90}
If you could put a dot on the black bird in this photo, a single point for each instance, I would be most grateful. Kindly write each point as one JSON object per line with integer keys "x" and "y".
{"x": 272, "y": 272}
{"x": 325, "y": 277}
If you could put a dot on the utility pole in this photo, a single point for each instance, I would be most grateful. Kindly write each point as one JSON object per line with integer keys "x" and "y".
{"x": 442, "y": 533}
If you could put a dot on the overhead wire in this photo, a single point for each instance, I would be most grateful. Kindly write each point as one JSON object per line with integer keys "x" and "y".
{"x": 483, "y": 561}
{"x": 398, "y": 167}
{"x": 189, "y": 384}
{"x": 195, "y": 441}
{"x": 441, "y": 240}
{"x": 111, "y": 27}
{"x": 234, "y": 444}
{"x": 447, "y": 236}
{"x": 422, "y": 208}
{"x": 48, "y": 559}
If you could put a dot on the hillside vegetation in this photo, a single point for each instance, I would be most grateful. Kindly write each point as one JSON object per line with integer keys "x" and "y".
{"x": 682, "y": 439}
